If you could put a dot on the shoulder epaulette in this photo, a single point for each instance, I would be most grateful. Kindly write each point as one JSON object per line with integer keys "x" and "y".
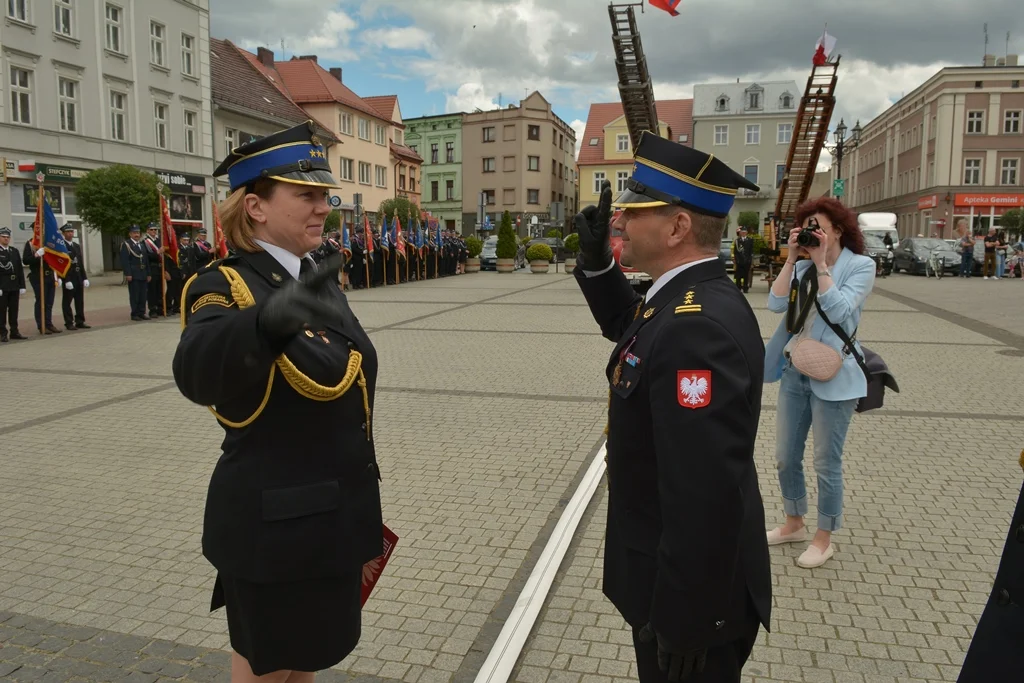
{"x": 689, "y": 305}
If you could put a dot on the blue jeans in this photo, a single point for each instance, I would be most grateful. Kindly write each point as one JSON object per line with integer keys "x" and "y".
{"x": 1000, "y": 264}
{"x": 800, "y": 410}
{"x": 966, "y": 263}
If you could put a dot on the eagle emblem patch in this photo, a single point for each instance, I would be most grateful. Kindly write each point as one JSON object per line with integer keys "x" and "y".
{"x": 693, "y": 388}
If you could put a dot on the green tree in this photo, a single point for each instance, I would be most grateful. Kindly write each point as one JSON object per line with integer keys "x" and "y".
{"x": 113, "y": 198}
{"x": 1012, "y": 220}
{"x": 555, "y": 232}
{"x": 572, "y": 243}
{"x": 748, "y": 220}
{"x": 474, "y": 246}
{"x": 333, "y": 221}
{"x": 506, "y": 247}
{"x": 401, "y": 205}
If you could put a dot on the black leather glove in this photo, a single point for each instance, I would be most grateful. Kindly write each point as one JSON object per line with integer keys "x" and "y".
{"x": 592, "y": 226}
{"x": 296, "y": 304}
{"x": 677, "y": 665}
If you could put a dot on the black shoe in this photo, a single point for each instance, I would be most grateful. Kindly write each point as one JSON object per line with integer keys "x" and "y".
{"x": 136, "y": 318}
{"x": 69, "y": 326}
{"x": 83, "y": 326}
{"x": 144, "y": 317}
{"x": 17, "y": 335}
{"x": 50, "y": 329}
{"x": 3, "y": 337}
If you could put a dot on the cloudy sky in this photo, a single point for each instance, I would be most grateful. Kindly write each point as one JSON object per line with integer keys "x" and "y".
{"x": 458, "y": 55}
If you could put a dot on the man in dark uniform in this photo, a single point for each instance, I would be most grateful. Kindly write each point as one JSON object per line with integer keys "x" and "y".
{"x": 34, "y": 260}
{"x": 186, "y": 257}
{"x": 135, "y": 266}
{"x": 174, "y": 283}
{"x": 686, "y": 558}
{"x": 203, "y": 249}
{"x": 996, "y": 653}
{"x": 743, "y": 259}
{"x": 75, "y": 283}
{"x": 12, "y": 286}
{"x": 154, "y": 290}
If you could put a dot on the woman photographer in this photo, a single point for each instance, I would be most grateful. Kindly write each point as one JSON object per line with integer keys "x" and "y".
{"x": 821, "y": 382}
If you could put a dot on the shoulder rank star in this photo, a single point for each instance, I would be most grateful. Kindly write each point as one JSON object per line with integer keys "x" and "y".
{"x": 688, "y": 305}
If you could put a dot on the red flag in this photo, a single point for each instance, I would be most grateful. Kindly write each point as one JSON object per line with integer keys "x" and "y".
{"x": 823, "y": 49}
{"x": 220, "y": 245}
{"x": 168, "y": 236}
{"x": 375, "y": 567}
{"x": 399, "y": 237}
{"x": 667, "y": 5}
{"x": 367, "y": 234}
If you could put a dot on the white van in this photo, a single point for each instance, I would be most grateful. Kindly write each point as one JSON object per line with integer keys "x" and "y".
{"x": 879, "y": 223}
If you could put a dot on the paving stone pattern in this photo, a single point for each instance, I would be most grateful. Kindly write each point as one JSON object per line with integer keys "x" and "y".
{"x": 490, "y": 401}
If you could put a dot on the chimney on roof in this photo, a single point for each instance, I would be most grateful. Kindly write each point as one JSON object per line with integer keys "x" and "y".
{"x": 265, "y": 56}
{"x": 990, "y": 60}
{"x": 1011, "y": 60}
{"x": 336, "y": 72}
{"x": 311, "y": 58}
{"x": 1000, "y": 61}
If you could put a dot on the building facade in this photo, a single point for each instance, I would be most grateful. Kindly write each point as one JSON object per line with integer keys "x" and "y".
{"x": 606, "y": 152}
{"x": 86, "y": 85}
{"x": 438, "y": 140}
{"x": 749, "y": 126}
{"x": 405, "y": 162}
{"x": 950, "y": 149}
{"x": 522, "y": 160}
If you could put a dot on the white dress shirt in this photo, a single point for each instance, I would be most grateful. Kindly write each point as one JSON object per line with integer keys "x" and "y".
{"x": 287, "y": 259}
{"x": 661, "y": 281}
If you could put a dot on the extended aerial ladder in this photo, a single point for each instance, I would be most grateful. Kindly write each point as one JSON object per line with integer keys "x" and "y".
{"x": 809, "y": 132}
{"x": 635, "y": 88}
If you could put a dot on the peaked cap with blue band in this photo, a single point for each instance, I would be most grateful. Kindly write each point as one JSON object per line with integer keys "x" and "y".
{"x": 665, "y": 172}
{"x": 295, "y": 155}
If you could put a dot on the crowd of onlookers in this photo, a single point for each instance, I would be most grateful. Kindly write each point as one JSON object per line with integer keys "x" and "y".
{"x": 995, "y": 245}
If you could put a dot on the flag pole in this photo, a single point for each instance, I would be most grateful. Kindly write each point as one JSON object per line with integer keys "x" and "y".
{"x": 41, "y": 227}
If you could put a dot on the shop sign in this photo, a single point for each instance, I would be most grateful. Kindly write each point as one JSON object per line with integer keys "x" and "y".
{"x": 182, "y": 183}
{"x": 990, "y": 199}
{"x": 929, "y": 202}
{"x": 61, "y": 174}
{"x": 186, "y": 207}
{"x": 53, "y": 197}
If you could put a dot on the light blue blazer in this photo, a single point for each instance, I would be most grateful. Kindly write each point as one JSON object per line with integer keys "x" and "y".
{"x": 853, "y": 277}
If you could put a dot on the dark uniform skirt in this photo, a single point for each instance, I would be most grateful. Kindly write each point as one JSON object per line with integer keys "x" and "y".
{"x": 298, "y": 626}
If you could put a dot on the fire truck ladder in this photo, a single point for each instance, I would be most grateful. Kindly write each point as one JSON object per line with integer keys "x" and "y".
{"x": 809, "y": 133}
{"x": 635, "y": 89}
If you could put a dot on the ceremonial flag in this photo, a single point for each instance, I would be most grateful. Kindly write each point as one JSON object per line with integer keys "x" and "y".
{"x": 399, "y": 236}
{"x": 382, "y": 228}
{"x": 220, "y": 245}
{"x": 346, "y": 242}
{"x": 420, "y": 243}
{"x": 439, "y": 234}
{"x": 375, "y": 567}
{"x": 823, "y": 49}
{"x": 168, "y": 237}
{"x": 367, "y": 235}
{"x": 55, "y": 248}
{"x": 667, "y": 5}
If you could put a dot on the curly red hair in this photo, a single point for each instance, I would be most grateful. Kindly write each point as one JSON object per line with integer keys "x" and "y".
{"x": 841, "y": 216}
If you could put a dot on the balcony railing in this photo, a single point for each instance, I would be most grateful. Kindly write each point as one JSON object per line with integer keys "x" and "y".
{"x": 763, "y": 192}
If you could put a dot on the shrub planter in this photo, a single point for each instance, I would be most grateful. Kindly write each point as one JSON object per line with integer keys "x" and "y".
{"x": 506, "y": 265}
{"x": 539, "y": 255}
{"x": 570, "y": 266}
{"x": 539, "y": 266}
{"x": 473, "y": 265}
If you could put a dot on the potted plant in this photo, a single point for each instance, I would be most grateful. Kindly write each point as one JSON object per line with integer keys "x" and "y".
{"x": 539, "y": 255}
{"x": 474, "y": 246}
{"x": 506, "y": 249}
{"x": 572, "y": 247}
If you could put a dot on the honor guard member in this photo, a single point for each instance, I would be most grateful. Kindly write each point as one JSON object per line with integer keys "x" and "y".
{"x": 270, "y": 344}
{"x": 135, "y": 267}
{"x": 34, "y": 260}
{"x": 186, "y": 257}
{"x": 12, "y": 286}
{"x": 75, "y": 284}
{"x": 154, "y": 291}
{"x": 686, "y": 556}
{"x": 995, "y": 653}
{"x": 742, "y": 259}
{"x": 203, "y": 249}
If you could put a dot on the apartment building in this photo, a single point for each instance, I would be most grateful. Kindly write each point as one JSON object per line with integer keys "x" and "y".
{"x": 522, "y": 158}
{"x": 607, "y": 153}
{"x": 950, "y": 149}
{"x": 89, "y": 84}
{"x": 749, "y": 126}
{"x": 405, "y": 162}
{"x": 438, "y": 140}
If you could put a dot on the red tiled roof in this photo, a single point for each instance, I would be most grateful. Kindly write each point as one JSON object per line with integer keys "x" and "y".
{"x": 308, "y": 83}
{"x": 385, "y": 104}
{"x": 678, "y": 114}
{"x": 405, "y": 153}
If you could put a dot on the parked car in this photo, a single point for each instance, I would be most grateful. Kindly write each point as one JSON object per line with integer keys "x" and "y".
{"x": 725, "y": 254}
{"x": 489, "y": 257}
{"x": 912, "y": 255}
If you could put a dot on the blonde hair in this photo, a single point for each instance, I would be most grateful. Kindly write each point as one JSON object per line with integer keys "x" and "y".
{"x": 236, "y": 222}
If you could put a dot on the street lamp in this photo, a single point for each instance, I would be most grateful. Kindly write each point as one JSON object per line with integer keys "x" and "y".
{"x": 843, "y": 144}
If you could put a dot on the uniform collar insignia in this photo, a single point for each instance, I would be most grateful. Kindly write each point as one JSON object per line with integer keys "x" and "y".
{"x": 276, "y": 277}
{"x": 648, "y": 313}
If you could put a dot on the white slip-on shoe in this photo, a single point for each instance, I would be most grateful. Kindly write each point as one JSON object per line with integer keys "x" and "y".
{"x": 776, "y": 537}
{"x": 812, "y": 557}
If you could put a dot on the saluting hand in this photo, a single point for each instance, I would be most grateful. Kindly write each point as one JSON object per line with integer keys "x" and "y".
{"x": 296, "y": 304}
{"x": 592, "y": 225}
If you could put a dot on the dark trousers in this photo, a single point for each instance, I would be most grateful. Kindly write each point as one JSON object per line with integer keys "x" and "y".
{"x": 77, "y": 296}
{"x": 49, "y": 293}
{"x": 137, "y": 291}
{"x": 724, "y": 663}
{"x": 742, "y": 275}
{"x": 9, "y": 310}
{"x": 154, "y": 295}
{"x": 174, "y": 294}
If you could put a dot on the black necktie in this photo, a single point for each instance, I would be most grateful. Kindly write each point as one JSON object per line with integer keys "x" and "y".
{"x": 306, "y": 265}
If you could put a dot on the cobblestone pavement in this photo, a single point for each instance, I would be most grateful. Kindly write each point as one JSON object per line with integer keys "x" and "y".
{"x": 491, "y": 402}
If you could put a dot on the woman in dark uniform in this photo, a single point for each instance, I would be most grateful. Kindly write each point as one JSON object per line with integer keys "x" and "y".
{"x": 271, "y": 346}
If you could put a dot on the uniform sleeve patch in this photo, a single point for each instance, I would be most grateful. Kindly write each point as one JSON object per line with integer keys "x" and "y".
{"x": 693, "y": 388}
{"x": 212, "y": 299}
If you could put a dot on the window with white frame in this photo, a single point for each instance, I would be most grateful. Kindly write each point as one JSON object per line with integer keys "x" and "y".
{"x": 1011, "y": 122}
{"x": 157, "y": 44}
{"x": 364, "y": 173}
{"x": 753, "y": 100}
{"x": 620, "y": 180}
{"x": 345, "y": 123}
{"x": 346, "y": 169}
{"x": 230, "y": 135}
{"x": 750, "y": 172}
{"x": 398, "y": 137}
{"x": 785, "y": 133}
{"x": 622, "y": 143}
{"x": 488, "y": 165}
{"x": 722, "y": 134}
{"x": 67, "y": 95}
{"x": 364, "y": 129}
{"x": 1008, "y": 175}
{"x": 381, "y": 173}
{"x": 780, "y": 174}
{"x": 159, "y": 122}
{"x": 21, "y": 95}
{"x": 532, "y": 163}
{"x": 190, "y": 131}
{"x": 598, "y": 179}
{"x": 115, "y": 17}
{"x": 381, "y": 133}
{"x": 188, "y": 57}
{"x": 118, "y": 115}
{"x": 976, "y": 122}
{"x": 63, "y": 18}
{"x": 972, "y": 171}
{"x": 753, "y": 133}
{"x": 533, "y": 196}
{"x": 18, "y": 10}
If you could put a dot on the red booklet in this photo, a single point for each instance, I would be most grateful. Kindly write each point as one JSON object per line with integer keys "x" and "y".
{"x": 375, "y": 567}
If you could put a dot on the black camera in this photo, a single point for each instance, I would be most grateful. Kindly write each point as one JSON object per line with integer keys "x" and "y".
{"x": 806, "y": 237}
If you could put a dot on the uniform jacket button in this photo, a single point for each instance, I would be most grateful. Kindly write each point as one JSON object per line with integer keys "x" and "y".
{"x": 363, "y": 426}
{"x": 369, "y": 466}
{"x": 351, "y": 345}
{"x": 1020, "y": 534}
{"x": 1003, "y": 597}
{"x": 719, "y": 624}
